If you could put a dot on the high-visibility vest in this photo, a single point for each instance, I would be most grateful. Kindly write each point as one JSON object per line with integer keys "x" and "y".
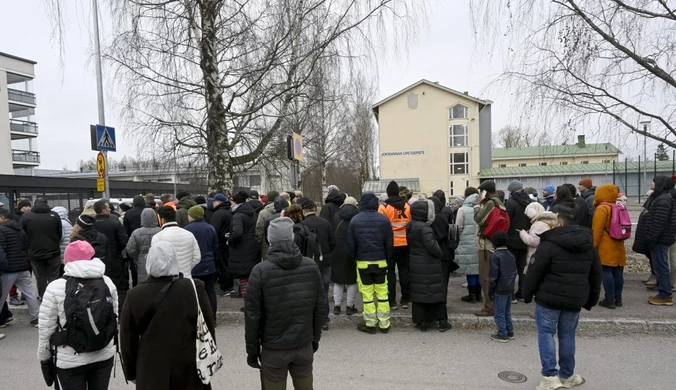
{"x": 398, "y": 218}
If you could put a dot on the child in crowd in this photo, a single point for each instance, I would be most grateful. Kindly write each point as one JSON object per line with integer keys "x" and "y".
{"x": 501, "y": 287}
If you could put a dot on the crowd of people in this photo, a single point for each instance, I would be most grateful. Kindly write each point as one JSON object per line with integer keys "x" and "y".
{"x": 280, "y": 254}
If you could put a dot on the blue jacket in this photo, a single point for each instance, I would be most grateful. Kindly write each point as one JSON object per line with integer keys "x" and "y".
{"x": 207, "y": 239}
{"x": 370, "y": 234}
{"x": 503, "y": 272}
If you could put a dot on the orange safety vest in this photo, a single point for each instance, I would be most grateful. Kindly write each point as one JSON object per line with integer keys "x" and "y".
{"x": 398, "y": 219}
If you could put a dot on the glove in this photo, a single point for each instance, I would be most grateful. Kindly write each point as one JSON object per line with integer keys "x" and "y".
{"x": 315, "y": 346}
{"x": 252, "y": 361}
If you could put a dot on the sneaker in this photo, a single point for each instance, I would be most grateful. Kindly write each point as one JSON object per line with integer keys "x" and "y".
{"x": 656, "y": 300}
{"x": 651, "y": 280}
{"x": 15, "y": 301}
{"x": 384, "y": 330}
{"x": 224, "y": 293}
{"x": 608, "y": 304}
{"x": 575, "y": 380}
{"x": 464, "y": 285}
{"x": 336, "y": 310}
{"x": 351, "y": 310}
{"x": 325, "y": 327}
{"x": 510, "y": 335}
{"x": 514, "y": 301}
{"x": 498, "y": 338}
{"x": 618, "y": 302}
{"x": 367, "y": 329}
{"x": 550, "y": 383}
{"x": 394, "y": 306}
{"x": 34, "y": 323}
{"x": 3, "y": 324}
{"x": 404, "y": 304}
{"x": 235, "y": 294}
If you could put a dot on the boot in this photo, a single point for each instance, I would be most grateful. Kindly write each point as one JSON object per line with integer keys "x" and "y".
{"x": 469, "y": 298}
{"x": 618, "y": 301}
{"x": 444, "y": 326}
{"x": 607, "y": 303}
{"x": 477, "y": 293}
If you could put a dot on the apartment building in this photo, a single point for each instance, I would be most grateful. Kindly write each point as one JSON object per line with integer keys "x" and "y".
{"x": 432, "y": 137}
{"x": 548, "y": 155}
{"x": 18, "y": 128}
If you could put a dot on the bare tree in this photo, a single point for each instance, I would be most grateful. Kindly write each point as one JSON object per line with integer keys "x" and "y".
{"x": 606, "y": 63}
{"x": 515, "y": 137}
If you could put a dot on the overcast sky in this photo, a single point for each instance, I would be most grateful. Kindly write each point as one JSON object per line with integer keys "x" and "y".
{"x": 443, "y": 51}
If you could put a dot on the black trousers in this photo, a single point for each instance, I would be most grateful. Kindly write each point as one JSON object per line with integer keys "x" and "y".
{"x": 400, "y": 257}
{"x": 95, "y": 376}
{"x": 225, "y": 280}
{"x": 209, "y": 281}
{"x": 520, "y": 256}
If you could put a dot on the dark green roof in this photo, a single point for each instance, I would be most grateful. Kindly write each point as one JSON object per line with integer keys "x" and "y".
{"x": 554, "y": 151}
{"x": 574, "y": 169}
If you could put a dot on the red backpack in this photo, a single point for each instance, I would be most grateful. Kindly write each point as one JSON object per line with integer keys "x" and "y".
{"x": 497, "y": 220}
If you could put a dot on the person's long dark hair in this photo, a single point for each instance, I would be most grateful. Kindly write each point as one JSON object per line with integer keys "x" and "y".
{"x": 295, "y": 212}
{"x": 563, "y": 194}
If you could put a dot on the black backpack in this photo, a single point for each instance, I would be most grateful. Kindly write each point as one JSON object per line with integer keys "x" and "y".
{"x": 308, "y": 242}
{"x": 91, "y": 323}
{"x": 100, "y": 248}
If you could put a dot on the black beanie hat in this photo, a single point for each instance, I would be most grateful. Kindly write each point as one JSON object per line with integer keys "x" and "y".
{"x": 139, "y": 200}
{"x": 393, "y": 189}
{"x": 23, "y": 204}
{"x": 241, "y": 197}
{"x": 84, "y": 221}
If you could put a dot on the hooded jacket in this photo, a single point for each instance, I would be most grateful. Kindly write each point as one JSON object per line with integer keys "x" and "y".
{"x": 221, "y": 220}
{"x": 140, "y": 240}
{"x": 440, "y": 228}
{"x": 425, "y": 271}
{"x": 133, "y": 219}
{"x": 66, "y": 227}
{"x": 182, "y": 207}
{"x": 447, "y": 211}
{"x": 43, "y": 227}
{"x": 467, "y": 254}
{"x": 331, "y": 205}
{"x": 369, "y": 236}
{"x": 188, "y": 252}
{"x": 611, "y": 252}
{"x": 502, "y": 273}
{"x": 52, "y": 313}
{"x": 164, "y": 358}
{"x": 243, "y": 252}
{"x": 343, "y": 270}
{"x": 588, "y": 197}
{"x": 487, "y": 205}
{"x": 531, "y": 237}
{"x": 284, "y": 301}
{"x": 325, "y": 235}
{"x": 14, "y": 242}
{"x": 398, "y": 212}
{"x": 516, "y": 207}
{"x": 279, "y": 205}
{"x": 207, "y": 239}
{"x": 92, "y": 236}
{"x": 658, "y": 225}
{"x": 548, "y": 203}
{"x": 263, "y": 217}
{"x": 564, "y": 272}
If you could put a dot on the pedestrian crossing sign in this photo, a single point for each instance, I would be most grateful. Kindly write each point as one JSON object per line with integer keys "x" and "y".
{"x": 105, "y": 138}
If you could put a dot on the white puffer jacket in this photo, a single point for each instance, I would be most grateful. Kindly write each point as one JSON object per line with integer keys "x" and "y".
{"x": 184, "y": 243}
{"x": 52, "y": 310}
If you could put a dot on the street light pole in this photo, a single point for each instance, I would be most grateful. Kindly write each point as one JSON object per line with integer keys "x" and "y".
{"x": 645, "y": 150}
{"x": 99, "y": 87}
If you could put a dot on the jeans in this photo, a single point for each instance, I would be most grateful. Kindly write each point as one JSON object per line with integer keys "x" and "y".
{"x": 94, "y": 376}
{"x": 613, "y": 281}
{"x": 400, "y": 255}
{"x": 502, "y": 305}
{"x": 326, "y": 280}
{"x": 46, "y": 271}
{"x": 548, "y": 322}
{"x": 209, "y": 281}
{"x": 24, "y": 282}
{"x": 660, "y": 261}
{"x": 472, "y": 280}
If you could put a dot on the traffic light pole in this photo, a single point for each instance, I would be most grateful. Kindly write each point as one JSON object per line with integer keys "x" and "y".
{"x": 99, "y": 88}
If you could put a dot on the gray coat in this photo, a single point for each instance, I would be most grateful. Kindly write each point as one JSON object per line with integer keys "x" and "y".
{"x": 139, "y": 242}
{"x": 66, "y": 228}
{"x": 467, "y": 254}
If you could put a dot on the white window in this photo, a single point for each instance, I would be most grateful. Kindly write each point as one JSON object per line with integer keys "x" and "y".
{"x": 543, "y": 164}
{"x": 459, "y": 163}
{"x": 458, "y": 134}
{"x": 564, "y": 162}
{"x": 458, "y": 112}
{"x": 522, "y": 164}
{"x": 451, "y": 188}
{"x": 502, "y": 165}
{"x": 606, "y": 161}
{"x": 585, "y": 162}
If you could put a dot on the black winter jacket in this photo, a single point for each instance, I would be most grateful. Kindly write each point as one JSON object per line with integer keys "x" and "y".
{"x": 284, "y": 301}
{"x": 326, "y": 236}
{"x": 243, "y": 252}
{"x": 43, "y": 227}
{"x": 502, "y": 273}
{"x": 205, "y": 234}
{"x": 565, "y": 270}
{"x": 132, "y": 219}
{"x": 370, "y": 234}
{"x": 14, "y": 242}
{"x": 516, "y": 207}
{"x": 425, "y": 271}
{"x": 343, "y": 270}
{"x": 333, "y": 202}
{"x": 221, "y": 220}
{"x": 661, "y": 216}
{"x": 111, "y": 227}
{"x": 91, "y": 235}
{"x": 440, "y": 228}
{"x": 581, "y": 211}
{"x": 447, "y": 211}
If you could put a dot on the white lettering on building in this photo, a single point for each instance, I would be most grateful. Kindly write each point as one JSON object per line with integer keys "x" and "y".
{"x": 403, "y": 153}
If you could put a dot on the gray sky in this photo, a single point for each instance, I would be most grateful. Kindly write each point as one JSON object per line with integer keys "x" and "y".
{"x": 443, "y": 51}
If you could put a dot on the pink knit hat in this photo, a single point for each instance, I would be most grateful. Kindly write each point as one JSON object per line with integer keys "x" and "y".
{"x": 77, "y": 251}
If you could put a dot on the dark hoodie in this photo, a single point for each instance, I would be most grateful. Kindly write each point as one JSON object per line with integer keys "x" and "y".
{"x": 440, "y": 228}
{"x": 565, "y": 270}
{"x": 44, "y": 230}
{"x": 370, "y": 236}
{"x": 343, "y": 270}
{"x": 661, "y": 215}
{"x": 243, "y": 253}
{"x": 447, "y": 211}
{"x": 516, "y": 208}
{"x": 284, "y": 301}
{"x": 331, "y": 205}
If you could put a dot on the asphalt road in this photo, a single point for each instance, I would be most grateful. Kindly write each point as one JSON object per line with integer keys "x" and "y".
{"x": 406, "y": 359}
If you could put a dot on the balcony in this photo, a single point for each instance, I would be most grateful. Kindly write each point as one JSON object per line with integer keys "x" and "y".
{"x": 25, "y": 157}
{"x": 20, "y": 97}
{"x": 22, "y": 129}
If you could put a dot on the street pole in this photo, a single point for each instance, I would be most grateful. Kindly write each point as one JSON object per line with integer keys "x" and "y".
{"x": 645, "y": 151}
{"x": 99, "y": 87}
